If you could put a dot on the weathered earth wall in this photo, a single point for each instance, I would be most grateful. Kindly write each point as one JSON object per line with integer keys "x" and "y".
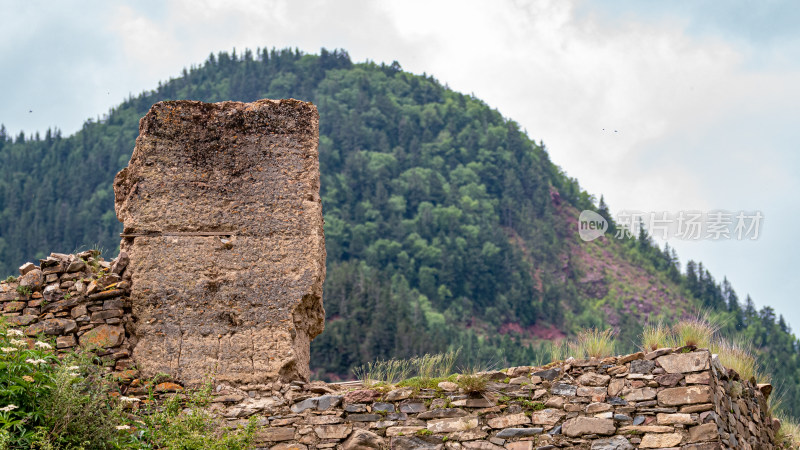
{"x": 223, "y": 225}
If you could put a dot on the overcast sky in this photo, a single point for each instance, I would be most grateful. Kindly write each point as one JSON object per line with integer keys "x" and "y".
{"x": 704, "y": 95}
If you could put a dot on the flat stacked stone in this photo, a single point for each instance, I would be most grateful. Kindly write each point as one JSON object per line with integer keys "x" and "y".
{"x": 77, "y": 301}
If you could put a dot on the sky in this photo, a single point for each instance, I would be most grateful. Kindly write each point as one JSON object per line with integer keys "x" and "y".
{"x": 657, "y": 106}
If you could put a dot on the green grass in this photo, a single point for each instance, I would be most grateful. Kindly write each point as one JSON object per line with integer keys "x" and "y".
{"x": 24, "y": 290}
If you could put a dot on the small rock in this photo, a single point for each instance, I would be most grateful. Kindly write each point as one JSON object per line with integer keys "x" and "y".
{"x": 549, "y": 374}
{"x": 579, "y": 426}
{"x": 660, "y": 440}
{"x": 442, "y": 413}
{"x": 642, "y": 366}
{"x": 34, "y": 279}
{"x": 66, "y": 341}
{"x": 25, "y": 268}
{"x": 363, "y": 440}
{"x": 548, "y": 417}
{"x": 508, "y": 421}
{"x": 612, "y": 443}
{"x": 361, "y": 396}
{"x": 450, "y": 425}
{"x": 564, "y": 389}
{"x": 399, "y": 394}
{"x": 120, "y": 263}
{"x": 509, "y": 433}
{"x": 168, "y": 387}
{"x": 448, "y": 386}
{"x": 593, "y": 379}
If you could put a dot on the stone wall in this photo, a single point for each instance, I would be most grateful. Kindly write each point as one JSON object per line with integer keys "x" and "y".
{"x": 670, "y": 398}
{"x": 80, "y": 301}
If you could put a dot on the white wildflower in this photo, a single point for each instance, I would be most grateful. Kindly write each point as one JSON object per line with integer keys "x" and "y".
{"x": 43, "y": 345}
{"x": 9, "y": 408}
{"x": 124, "y": 399}
{"x": 123, "y": 427}
{"x": 73, "y": 368}
{"x": 14, "y": 332}
{"x": 8, "y": 349}
{"x": 35, "y": 361}
{"x": 18, "y": 343}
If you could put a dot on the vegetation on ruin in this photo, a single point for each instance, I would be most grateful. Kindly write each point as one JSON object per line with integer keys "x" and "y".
{"x": 447, "y": 225}
{"x": 69, "y": 402}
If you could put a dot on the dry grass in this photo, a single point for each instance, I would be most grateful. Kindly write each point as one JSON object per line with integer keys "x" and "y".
{"x": 383, "y": 371}
{"x": 472, "y": 382}
{"x": 553, "y": 351}
{"x": 697, "y": 331}
{"x": 788, "y": 436}
{"x": 594, "y": 343}
{"x": 735, "y": 356}
{"x": 656, "y": 336}
{"x": 393, "y": 371}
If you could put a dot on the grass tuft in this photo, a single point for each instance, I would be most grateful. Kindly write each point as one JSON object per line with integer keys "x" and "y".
{"x": 736, "y": 356}
{"x": 788, "y": 436}
{"x": 594, "y": 343}
{"x": 697, "y": 331}
{"x": 472, "y": 383}
{"x": 656, "y": 336}
{"x": 425, "y": 369}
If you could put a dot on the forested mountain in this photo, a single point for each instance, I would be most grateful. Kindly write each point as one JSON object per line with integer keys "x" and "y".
{"x": 446, "y": 225}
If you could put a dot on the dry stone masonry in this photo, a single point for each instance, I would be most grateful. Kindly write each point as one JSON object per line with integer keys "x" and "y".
{"x": 223, "y": 224}
{"x": 79, "y": 300}
{"x": 670, "y": 398}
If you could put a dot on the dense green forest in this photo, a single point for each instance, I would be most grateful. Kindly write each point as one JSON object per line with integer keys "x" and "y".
{"x": 446, "y": 225}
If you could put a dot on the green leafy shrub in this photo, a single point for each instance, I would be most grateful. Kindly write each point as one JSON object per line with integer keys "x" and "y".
{"x": 183, "y": 423}
{"x": 50, "y": 403}
{"x": 24, "y": 290}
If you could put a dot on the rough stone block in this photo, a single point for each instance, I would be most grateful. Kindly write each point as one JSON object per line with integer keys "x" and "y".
{"x": 223, "y": 228}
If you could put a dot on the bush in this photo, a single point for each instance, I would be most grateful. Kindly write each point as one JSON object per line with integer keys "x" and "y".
{"x": 183, "y": 423}
{"x": 50, "y": 403}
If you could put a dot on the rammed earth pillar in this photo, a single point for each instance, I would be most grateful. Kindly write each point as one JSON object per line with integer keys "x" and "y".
{"x": 223, "y": 225}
